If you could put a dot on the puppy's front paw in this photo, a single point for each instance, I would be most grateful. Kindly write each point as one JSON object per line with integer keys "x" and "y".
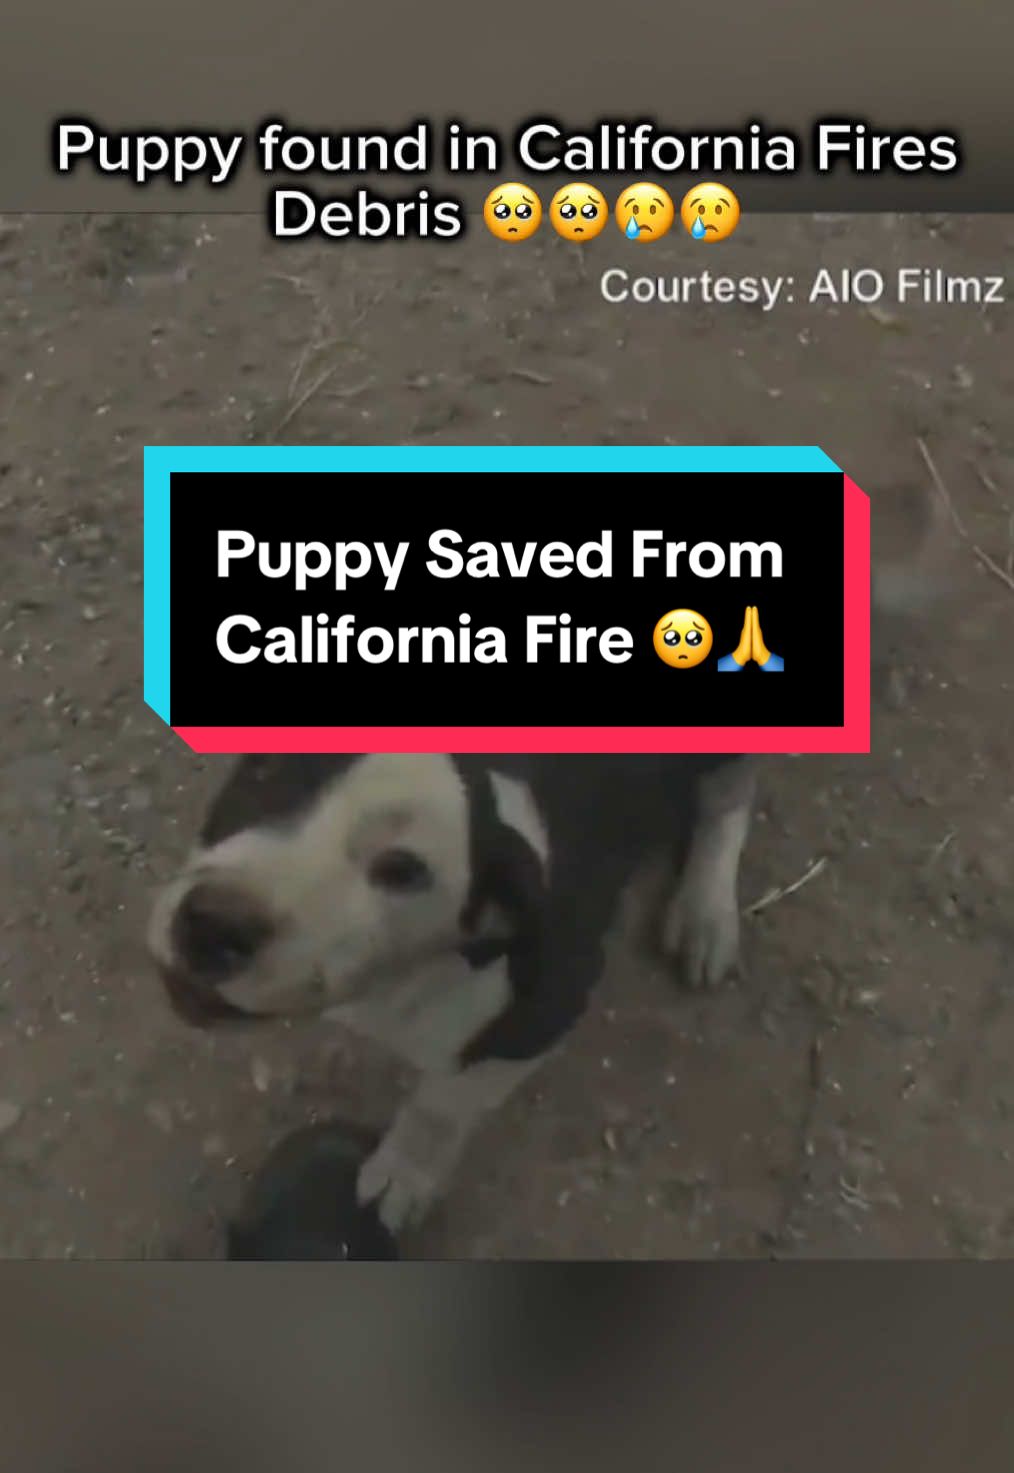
{"x": 402, "y": 1190}
{"x": 701, "y": 936}
{"x": 409, "y": 1169}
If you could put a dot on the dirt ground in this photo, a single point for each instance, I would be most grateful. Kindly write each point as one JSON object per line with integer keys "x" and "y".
{"x": 852, "y": 1096}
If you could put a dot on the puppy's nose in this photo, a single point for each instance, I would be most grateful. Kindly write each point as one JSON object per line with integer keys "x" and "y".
{"x": 217, "y": 932}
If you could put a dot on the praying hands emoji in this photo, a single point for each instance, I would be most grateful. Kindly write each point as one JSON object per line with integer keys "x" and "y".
{"x": 751, "y": 647}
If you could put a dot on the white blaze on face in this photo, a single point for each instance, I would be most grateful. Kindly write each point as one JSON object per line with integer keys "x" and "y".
{"x": 327, "y": 879}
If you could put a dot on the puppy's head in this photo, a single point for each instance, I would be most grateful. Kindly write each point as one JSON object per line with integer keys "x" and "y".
{"x": 314, "y": 875}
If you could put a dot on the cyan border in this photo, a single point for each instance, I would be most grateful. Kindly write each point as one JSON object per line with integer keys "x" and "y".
{"x": 161, "y": 461}
{"x": 157, "y": 556}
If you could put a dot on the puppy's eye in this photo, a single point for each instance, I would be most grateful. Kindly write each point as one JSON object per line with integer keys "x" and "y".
{"x": 401, "y": 870}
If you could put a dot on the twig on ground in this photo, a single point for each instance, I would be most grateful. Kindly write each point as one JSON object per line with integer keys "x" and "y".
{"x": 988, "y": 482}
{"x": 781, "y": 891}
{"x": 994, "y": 567}
{"x": 304, "y": 399}
{"x": 352, "y": 392}
{"x": 942, "y": 490}
{"x": 1005, "y": 576}
{"x": 297, "y": 372}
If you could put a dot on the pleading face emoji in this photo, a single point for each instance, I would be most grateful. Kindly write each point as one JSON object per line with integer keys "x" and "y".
{"x": 512, "y": 212}
{"x": 578, "y": 212}
{"x": 682, "y": 639}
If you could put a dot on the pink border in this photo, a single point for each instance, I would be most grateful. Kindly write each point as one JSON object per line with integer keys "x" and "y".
{"x": 853, "y": 736}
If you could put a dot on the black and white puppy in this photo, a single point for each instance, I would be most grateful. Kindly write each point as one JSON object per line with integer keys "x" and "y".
{"x": 454, "y": 908}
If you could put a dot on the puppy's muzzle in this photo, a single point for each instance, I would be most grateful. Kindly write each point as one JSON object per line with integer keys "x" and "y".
{"x": 215, "y": 935}
{"x": 198, "y": 1005}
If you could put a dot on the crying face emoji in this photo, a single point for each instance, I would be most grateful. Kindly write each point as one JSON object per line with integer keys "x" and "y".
{"x": 644, "y": 213}
{"x": 682, "y": 639}
{"x": 709, "y": 212}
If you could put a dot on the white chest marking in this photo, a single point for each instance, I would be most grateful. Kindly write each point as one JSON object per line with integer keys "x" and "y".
{"x": 429, "y": 1017}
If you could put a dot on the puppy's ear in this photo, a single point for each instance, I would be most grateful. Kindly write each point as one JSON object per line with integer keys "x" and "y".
{"x": 506, "y": 902}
